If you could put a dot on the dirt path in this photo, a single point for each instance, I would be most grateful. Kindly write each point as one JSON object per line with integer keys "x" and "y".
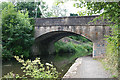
{"x": 90, "y": 68}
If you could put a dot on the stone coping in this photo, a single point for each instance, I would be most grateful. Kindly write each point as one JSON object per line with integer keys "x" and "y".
{"x": 69, "y": 21}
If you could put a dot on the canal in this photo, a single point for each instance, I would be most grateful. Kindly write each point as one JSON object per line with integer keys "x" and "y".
{"x": 13, "y": 65}
{"x": 66, "y": 55}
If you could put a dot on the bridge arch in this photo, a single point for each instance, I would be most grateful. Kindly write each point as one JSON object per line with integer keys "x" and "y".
{"x": 49, "y": 30}
{"x": 45, "y": 42}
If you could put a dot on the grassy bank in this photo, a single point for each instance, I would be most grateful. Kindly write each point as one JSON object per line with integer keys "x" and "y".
{"x": 69, "y": 51}
{"x": 110, "y": 61}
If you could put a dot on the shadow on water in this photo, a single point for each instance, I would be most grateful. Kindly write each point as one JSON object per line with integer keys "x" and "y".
{"x": 12, "y": 65}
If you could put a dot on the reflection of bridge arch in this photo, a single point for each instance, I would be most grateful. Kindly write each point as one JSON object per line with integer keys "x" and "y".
{"x": 49, "y": 30}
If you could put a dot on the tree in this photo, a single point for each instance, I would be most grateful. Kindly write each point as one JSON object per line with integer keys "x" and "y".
{"x": 3, "y": 5}
{"x": 35, "y": 9}
{"x": 31, "y": 7}
{"x": 17, "y": 33}
{"x": 111, "y": 14}
{"x": 55, "y": 11}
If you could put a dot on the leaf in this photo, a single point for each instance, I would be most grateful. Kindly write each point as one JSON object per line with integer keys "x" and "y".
{"x": 10, "y": 38}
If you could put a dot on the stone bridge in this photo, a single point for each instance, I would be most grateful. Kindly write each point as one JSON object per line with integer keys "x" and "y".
{"x": 50, "y": 30}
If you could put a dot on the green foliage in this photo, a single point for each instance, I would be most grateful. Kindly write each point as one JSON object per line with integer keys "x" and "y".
{"x": 111, "y": 57}
{"x": 11, "y": 75}
{"x": 71, "y": 48}
{"x": 79, "y": 38}
{"x": 71, "y": 51}
{"x": 34, "y": 69}
{"x": 32, "y": 8}
{"x": 111, "y": 15}
{"x": 55, "y": 10}
{"x": 73, "y": 14}
{"x": 61, "y": 48}
{"x": 112, "y": 53}
{"x": 17, "y": 33}
{"x": 3, "y": 5}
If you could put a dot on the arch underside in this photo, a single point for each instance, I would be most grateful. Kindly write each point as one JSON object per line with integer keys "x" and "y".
{"x": 47, "y": 36}
{"x": 55, "y": 36}
{"x": 93, "y": 33}
{"x": 45, "y": 42}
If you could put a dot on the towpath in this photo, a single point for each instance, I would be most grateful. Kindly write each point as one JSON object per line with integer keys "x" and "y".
{"x": 89, "y": 68}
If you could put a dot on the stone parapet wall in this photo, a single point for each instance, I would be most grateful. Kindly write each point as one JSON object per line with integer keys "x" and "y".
{"x": 70, "y": 21}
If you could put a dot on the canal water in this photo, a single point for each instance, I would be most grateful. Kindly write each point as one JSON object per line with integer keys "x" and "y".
{"x": 15, "y": 67}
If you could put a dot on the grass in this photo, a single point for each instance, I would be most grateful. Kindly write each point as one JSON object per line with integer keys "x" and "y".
{"x": 111, "y": 67}
{"x": 111, "y": 59}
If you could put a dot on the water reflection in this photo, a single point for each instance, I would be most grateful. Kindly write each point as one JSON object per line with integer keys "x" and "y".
{"x": 13, "y": 65}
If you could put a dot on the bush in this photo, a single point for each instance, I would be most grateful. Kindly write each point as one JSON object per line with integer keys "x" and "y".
{"x": 69, "y": 47}
{"x": 62, "y": 47}
{"x": 79, "y": 38}
{"x": 34, "y": 69}
{"x": 17, "y": 37}
{"x": 111, "y": 57}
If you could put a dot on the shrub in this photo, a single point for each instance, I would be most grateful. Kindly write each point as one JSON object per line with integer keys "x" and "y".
{"x": 111, "y": 57}
{"x": 69, "y": 47}
{"x": 79, "y": 38}
{"x": 34, "y": 69}
{"x": 17, "y": 33}
{"x": 62, "y": 47}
